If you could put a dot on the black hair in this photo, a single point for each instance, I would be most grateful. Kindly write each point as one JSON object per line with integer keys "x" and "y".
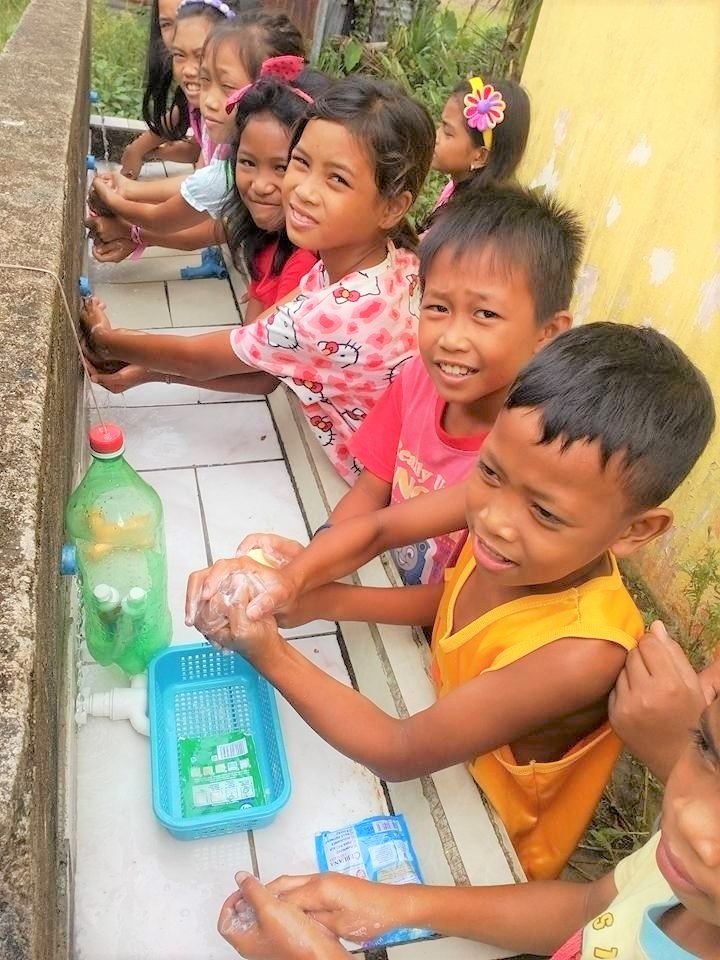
{"x": 509, "y": 138}
{"x": 156, "y": 63}
{"x": 395, "y": 130}
{"x": 258, "y": 35}
{"x": 523, "y": 229}
{"x": 275, "y": 98}
{"x": 165, "y": 107}
{"x": 631, "y": 389}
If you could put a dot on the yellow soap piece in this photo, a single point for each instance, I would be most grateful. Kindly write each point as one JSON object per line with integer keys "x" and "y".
{"x": 258, "y": 556}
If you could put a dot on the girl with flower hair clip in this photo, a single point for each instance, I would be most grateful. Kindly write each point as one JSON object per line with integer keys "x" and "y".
{"x": 482, "y": 134}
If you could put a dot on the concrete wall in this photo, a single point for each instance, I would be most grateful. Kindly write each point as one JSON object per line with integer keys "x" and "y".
{"x": 626, "y": 129}
{"x": 43, "y": 137}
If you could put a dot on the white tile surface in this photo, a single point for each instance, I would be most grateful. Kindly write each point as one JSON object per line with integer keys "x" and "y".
{"x": 152, "y": 269}
{"x": 196, "y": 303}
{"x": 163, "y": 437}
{"x": 152, "y": 170}
{"x": 134, "y": 306}
{"x": 139, "y": 893}
{"x": 329, "y": 790}
{"x": 175, "y": 169}
{"x": 235, "y": 504}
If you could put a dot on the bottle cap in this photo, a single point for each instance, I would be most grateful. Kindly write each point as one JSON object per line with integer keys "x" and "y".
{"x": 103, "y": 592}
{"x": 135, "y": 599}
{"x": 106, "y": 441}
{"x": 68, "y": 560}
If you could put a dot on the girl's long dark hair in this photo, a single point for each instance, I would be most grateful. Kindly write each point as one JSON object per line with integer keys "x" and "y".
{"x": 509, "y": 137}
{"x": 156, "y": 64}
{"x": 245, "y": 239}
{"x": 396, "y": 131}
{"x": 165, "y": 108}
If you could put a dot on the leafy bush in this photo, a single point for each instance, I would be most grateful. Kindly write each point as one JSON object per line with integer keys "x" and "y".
{"x": 10, "y": 13}
{"x": 119, "y": 45}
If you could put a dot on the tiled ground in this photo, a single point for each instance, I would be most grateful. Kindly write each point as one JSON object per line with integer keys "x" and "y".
{"x": 223, "y": 470}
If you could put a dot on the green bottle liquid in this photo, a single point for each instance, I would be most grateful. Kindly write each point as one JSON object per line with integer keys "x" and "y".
{"x": 115, "y": 520}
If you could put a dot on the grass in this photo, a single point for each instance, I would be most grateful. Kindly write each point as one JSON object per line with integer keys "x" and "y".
{"x": 119, "y": 44}
{"x": 10, "y": 13}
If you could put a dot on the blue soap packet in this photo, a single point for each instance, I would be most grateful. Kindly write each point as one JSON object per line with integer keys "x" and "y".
{"x": 379, "y": 849}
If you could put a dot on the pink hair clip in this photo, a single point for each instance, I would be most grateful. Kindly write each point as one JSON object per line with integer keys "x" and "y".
{"x": 287, "y": 69}
{"x": 484, "y": 108}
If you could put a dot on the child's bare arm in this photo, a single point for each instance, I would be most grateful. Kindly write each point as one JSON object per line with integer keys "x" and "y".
{"x": 496, "y": 708}
{"x": 202, "y": 234}
{"x": 104, "y": 230}
{"x": 368, "y": 493}
{"x": 135, "y": 152}
{"x": 132, "y": 375}
{"x": 408, "y": 606}
{"x": 147, "y": 191}
{"x": 180, "y": 151}
{"x": 348, "y": 545}
{"x": 252, "y": 310}
{"x": 533, "y": 917}
{"x": 174, "y": 213}
{"x": 199, "y": 358}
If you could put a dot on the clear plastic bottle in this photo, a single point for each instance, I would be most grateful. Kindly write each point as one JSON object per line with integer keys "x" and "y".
{"x": 115, "y": 520}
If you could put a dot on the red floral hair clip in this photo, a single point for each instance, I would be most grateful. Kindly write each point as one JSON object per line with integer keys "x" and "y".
{"x": 287, "y": 69}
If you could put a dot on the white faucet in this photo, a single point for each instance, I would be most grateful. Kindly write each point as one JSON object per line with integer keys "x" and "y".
{"x": 121, "y": 703}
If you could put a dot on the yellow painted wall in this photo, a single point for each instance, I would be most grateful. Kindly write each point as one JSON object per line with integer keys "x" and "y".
{"x": 626, "y": 130}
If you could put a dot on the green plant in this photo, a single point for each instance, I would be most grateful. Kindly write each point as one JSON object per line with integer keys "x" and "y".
{"x": 119, "y": 44}
{"x": 10, "y": 13}
{"x": 702, "y": 594}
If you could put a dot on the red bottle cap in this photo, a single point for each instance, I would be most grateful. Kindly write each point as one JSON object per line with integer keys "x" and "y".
{"x": 106, "y": 439}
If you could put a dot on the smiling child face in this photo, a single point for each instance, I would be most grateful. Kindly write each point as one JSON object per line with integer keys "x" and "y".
{"x": 533, "y": 509}
{"x": 689, "y": 851}
{"x": 260, "y": 169}
{"x": 477, "y": 327}
{"x": 186, "y": 50}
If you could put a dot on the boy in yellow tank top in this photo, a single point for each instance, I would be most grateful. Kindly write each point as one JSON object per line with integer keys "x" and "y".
{"x": 533, "y": 625}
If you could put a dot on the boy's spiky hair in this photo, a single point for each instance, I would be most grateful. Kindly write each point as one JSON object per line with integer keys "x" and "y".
{"x": 631, "y": 389}
{"x": 525, "y": 231}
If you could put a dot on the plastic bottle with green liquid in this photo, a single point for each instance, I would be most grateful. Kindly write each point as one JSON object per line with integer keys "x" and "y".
{"x": 115, "y": 520}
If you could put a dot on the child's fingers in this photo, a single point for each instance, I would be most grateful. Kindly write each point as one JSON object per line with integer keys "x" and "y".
{"x": 193, "y": 594}
{"x": 215, "y": 576}
{"x": 255, "y": 894}
{"x": 226, "y": 919}
{"x": 663, "y": 656}
{"x": 265, "y": 604}
{"x": 636, "y": 670}
{"x": 287, "y": 883}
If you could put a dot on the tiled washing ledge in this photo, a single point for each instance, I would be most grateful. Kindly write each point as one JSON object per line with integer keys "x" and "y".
{"x": 226, "y": 465}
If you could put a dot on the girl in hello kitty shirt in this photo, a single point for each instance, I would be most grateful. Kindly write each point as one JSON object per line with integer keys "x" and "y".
{"x": 357, "y": 162}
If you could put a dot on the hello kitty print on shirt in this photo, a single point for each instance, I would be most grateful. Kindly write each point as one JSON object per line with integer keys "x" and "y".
{"x": 337, "y": 346}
